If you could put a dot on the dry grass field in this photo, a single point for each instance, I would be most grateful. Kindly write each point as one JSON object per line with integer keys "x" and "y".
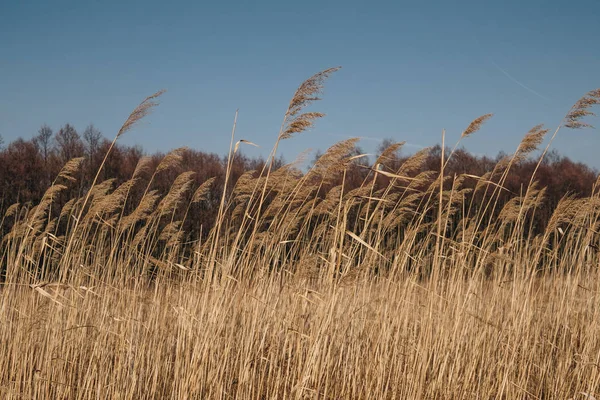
{"x": 405, "y": 287}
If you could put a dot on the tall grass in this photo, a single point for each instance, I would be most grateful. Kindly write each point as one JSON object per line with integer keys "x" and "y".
{"x": 413, "y": 285}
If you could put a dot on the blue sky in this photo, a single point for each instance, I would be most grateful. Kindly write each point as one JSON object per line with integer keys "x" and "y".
{"x": 410, "y": 69}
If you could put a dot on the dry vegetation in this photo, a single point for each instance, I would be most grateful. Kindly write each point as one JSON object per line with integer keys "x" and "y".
{"x": 405, "y": 287}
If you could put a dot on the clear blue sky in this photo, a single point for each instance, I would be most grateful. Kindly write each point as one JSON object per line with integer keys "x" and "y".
{"x": 410, "y": 69}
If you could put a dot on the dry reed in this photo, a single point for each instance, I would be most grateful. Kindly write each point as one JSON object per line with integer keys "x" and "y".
{"x": 400, "y": 288}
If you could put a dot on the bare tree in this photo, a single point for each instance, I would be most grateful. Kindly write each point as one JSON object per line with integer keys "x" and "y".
{"x": 43, "y": 141}
{"x": 92, "y": 138}
{"x": 1, "y": 142}
{"x": 69, "y": 144}
{"x": 20, "y": 180}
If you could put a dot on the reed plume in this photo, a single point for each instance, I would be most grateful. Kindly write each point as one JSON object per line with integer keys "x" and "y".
{"x": 581, "y": 109}
{"x": 142, "y": 110}
{"x": 475, "y": 125}
{"x": 306, "y": 94}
